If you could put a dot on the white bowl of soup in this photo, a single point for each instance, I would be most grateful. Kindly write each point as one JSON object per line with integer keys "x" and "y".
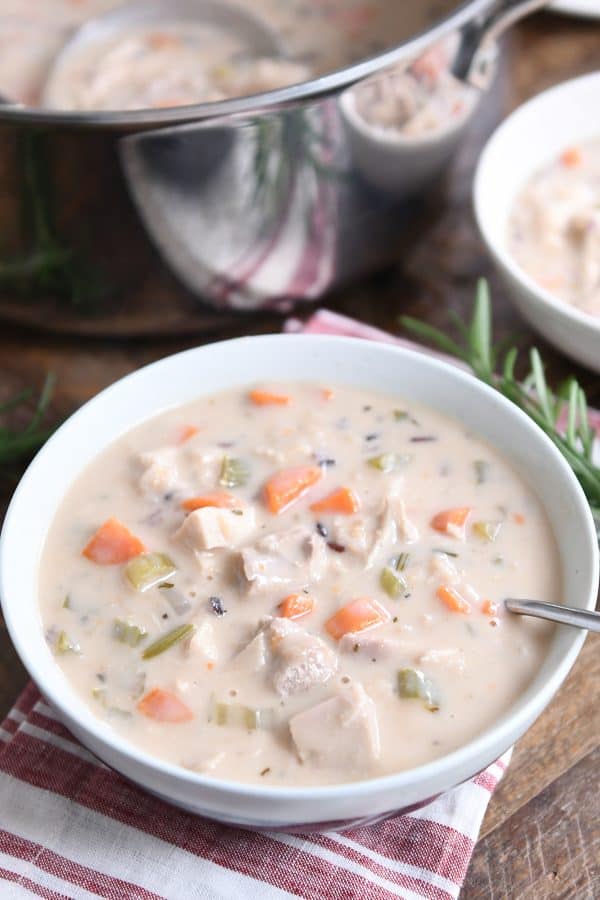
{"x": 536, "y": 198}
{"x": 263, "y": 579}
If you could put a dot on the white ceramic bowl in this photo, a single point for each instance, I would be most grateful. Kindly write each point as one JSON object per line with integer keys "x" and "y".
{"x": 531, "y": 137}
{"x": 181, "y": 378}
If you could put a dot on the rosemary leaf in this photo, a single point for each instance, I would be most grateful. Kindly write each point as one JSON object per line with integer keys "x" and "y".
{"x": 532, "y": 394}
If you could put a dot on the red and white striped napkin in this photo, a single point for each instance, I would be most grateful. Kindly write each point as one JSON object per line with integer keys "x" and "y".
{"x": 72, "y": 828}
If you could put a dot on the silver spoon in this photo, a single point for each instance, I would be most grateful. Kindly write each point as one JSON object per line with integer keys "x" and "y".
{"x": 564, "y": 615}
{"x": 258, "y": 38}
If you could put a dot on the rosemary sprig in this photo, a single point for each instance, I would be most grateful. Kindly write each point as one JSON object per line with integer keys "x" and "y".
{"x": 18, "y": 444}
{"x": 533, "y": 394}
{"x": 48, "y": 265}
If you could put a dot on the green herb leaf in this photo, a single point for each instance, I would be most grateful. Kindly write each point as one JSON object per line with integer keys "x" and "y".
{"x": 18, "y": 444}
{"x": 532, "y": 394}
{"x": 168, "y": 640}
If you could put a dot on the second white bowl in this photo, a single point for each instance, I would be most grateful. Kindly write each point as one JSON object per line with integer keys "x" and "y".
{"x": 530, "y": 138}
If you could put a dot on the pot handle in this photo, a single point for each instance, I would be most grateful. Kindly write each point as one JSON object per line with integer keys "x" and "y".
{"x": 479, "y": 38}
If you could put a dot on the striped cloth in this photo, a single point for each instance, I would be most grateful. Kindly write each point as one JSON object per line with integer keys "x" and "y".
{"x": 72, "y": 828}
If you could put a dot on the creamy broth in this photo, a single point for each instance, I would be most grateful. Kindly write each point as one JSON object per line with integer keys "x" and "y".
{"x": 319, "y": 37}
{"x": 401, "y": 651}
{"x": 554, "y": 229}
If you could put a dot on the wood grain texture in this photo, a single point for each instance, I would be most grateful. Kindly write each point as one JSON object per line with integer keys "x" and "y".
{"x": 540, "y": 838}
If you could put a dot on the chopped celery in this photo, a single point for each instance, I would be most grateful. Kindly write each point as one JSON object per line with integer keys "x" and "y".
{"x": 67, "y": 602}
{"x": 119, "y": 713}
{"x": 99, "y": 694}
{"x": 414, "y": 685}
{"x": 402, "y": 562}
{"x": 400, "y": 415}
{"x": 487, "y": 531}
{"x": 64, "y": 644}
{"x": 128, "y": 633}
{"x": 168, "y": 640}
{"x": 239, "y": 715}
{"x": 392, "y": 581}
{"x": 149, "y": 569}
{"x": 234, "y": 472}
{"x": 387, "y": 462}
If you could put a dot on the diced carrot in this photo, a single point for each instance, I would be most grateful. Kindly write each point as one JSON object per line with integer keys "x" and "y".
{"x": 113, "y": 543}
{"x": 342, "y": 501}
{"x": 327, "y": 393}
{"x": 519, "y": 518}
{"x": 288, "y": 485}
{"x": 489, "y": 608}
{"x": 161, "y": 40}
{"x": 357, "y": 615}
{"x": 164, "y": 706}
{"x": 296, "y": 605}
{"x": 451, "y": 521}
{"x": 186, "y": 432}
{"x": 452, "y": 599}
{"x": 210, "y": 666}
{"x": 267, "y": 398}
{"x": 571, "y": 157}
{"x": 220, "y": 499}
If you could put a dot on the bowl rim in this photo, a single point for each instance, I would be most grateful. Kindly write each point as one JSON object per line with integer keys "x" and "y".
{"x": 536, "y": 294}
{"x": 517, "y": 716}
{"x": 465, "y": 11}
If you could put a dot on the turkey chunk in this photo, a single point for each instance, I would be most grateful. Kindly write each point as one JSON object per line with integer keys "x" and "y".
{"x": 207, "y": 528}
{"x": 299, "y": 660}
{"x": 372, "y": 645}
{"x": 351, "y": 533}
{"x": 341, "y": 733}
{"x": 369, "y": 536}
{"x": 159, "y": 471}
{"x": 283, "y": 558}
{"x": 202, "y": 645}
{"x": 253, "y": 657}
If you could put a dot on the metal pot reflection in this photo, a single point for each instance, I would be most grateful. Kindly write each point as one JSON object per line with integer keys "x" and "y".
{"x": 252, "y": 203}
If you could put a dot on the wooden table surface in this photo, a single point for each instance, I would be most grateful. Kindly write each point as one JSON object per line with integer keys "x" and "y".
{"x": 541, "y": 836}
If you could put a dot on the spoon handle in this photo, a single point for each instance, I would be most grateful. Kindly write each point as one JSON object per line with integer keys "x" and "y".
{"x": 565, "y": 615}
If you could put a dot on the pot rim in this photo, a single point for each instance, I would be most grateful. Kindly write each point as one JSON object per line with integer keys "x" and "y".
{"x": 255, "y": 103}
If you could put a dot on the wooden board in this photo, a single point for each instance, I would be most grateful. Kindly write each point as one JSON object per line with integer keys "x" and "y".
{"x": 541, "y": 837}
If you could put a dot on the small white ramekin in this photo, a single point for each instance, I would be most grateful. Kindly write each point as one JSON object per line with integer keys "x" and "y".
{"x": 181, "y": 378}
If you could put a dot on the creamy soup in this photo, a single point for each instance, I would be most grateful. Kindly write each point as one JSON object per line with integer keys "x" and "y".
{"x": 421, "y": 99}
{"x": 297, "y": 584}
{"x": 318, "y": 36}
{"x": 554, "y": 229}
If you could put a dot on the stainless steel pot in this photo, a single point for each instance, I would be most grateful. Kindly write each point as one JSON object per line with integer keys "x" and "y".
{"x": 253, "y": 202}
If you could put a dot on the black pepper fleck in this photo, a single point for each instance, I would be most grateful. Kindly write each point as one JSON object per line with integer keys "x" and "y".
{"x": 322, "y": 529}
